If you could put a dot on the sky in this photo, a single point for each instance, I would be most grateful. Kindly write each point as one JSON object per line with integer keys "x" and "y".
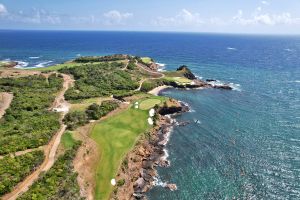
{"x": 218, "y": 16}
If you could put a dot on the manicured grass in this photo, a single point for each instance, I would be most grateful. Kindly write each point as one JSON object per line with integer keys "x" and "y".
{"x": 67, "y": 140}
{"x": 179, "y": 80}
{"x": 149, "y": 103}
{"x": 115, "y": 137}
{"x": 146, "y": 60}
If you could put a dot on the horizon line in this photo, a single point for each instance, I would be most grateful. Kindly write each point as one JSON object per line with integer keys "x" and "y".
{"x": 156, "y": 31}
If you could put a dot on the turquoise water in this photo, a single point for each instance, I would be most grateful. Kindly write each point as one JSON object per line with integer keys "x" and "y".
{"x": 246, "y": 144}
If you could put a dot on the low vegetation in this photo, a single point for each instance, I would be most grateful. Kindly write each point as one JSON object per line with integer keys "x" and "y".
{"x": 67, "y": 140}
{"x": 61, "y": 66}
{"x": 99, "y": 80}
{"x": 57, "y": 183}
{"x": 28, "y": 123}
{"x": 87, "y": 59}
{"x": 15, "y": 169}
{"x": 75, "y": 119}
{"x": 95, "y": 111}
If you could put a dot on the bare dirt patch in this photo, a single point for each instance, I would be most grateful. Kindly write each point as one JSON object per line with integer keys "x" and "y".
{"x": 85, "y": 162}
{"x": 14, "y": 73}
{"x": 5, "y": 100}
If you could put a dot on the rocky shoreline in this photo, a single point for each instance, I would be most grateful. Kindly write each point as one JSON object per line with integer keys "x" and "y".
{"x": 138, "y": 172}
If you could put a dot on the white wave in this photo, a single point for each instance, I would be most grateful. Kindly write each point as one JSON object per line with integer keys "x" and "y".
{"x": 199, "y": 77}
{"x": 43, "y": 64}
{"x": 161, "y": 70}
{"x": 297, "y": 81}
{"x": 34, "y": 57}
{"x": 161, "y": 67}
{"x": 231, "y": 48}
{"x": 185, "y": 104}
{"x": 289, "y": 50}
{"x": 197, "y": 121}
{"x": 166, "y": 155}
{"x": 234, "y": 86}
{"x": 294, "y": 140}
{"x": 161, "y": 64}
{"x": 158, "y": 182}
{"x": 78, "y": 55}
{"x": 21, "y": 64}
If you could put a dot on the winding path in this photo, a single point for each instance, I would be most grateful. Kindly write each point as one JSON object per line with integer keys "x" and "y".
{"x": 50, "y": 149}
{"x": 161, "y": 75}
{"x": 153, "y": 73}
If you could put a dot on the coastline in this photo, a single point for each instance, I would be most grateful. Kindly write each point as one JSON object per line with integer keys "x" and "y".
{"x": 158, "y": 89}
{"x": 140, "y": 174}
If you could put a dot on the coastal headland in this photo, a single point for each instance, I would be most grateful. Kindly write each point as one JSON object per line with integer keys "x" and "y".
{"x": 91, "y": 128}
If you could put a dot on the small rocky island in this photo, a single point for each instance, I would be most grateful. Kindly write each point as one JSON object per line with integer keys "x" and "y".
{"x": 82, "y": 103}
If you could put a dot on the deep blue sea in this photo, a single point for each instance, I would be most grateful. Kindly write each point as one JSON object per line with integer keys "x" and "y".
{"x": 241, "y": 144}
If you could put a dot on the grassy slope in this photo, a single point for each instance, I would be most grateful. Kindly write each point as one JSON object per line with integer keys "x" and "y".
{"x": 146, "y": 60}
{"x": 60, "y": 66}
{"x": 68, "y": 65}
{"x": 67, "y": 140}
{"x": 83, "y": 104}
{"x": 115, "y": 137}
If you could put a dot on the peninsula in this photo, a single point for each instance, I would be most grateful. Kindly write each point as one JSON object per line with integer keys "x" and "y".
{"x": 90, "y": 128}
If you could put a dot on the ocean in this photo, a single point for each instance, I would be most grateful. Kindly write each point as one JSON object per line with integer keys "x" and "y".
{"x": 240, "y": 144}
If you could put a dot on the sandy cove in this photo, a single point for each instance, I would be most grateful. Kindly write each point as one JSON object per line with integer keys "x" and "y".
{"x": 158, "y": 89}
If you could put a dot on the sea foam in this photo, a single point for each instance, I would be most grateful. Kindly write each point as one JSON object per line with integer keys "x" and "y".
{"x": 34, "y": 57}
{"x": 21, "y": 64}
{"x": 231, "y": 48}
{"x": 234, "y": 86}
{"x": 161, "y": 67}
{"x": 43, "y": 64}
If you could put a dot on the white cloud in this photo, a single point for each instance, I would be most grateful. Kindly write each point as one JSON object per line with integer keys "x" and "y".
{"x": 2, "y": 9}
{"x": 258, "y": 17}
{"x": 33, "y": 16}
{"x": 183, "y": 18}
{"x": 116, "y": 17}
{"x": 265, "y": 3}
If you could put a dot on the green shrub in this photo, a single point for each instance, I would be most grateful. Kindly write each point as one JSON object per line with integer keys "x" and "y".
{"x": 120, "y": 182}
{"x": 75, "y": 119}
{"x": 14, "y": 170}
{"x": 28, "y": 123}
{"x": 57, "y": 183}
{"x": 95, "y": 80}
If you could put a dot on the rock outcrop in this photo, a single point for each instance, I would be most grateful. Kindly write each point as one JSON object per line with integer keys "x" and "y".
{"x": 187, "y": 72}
